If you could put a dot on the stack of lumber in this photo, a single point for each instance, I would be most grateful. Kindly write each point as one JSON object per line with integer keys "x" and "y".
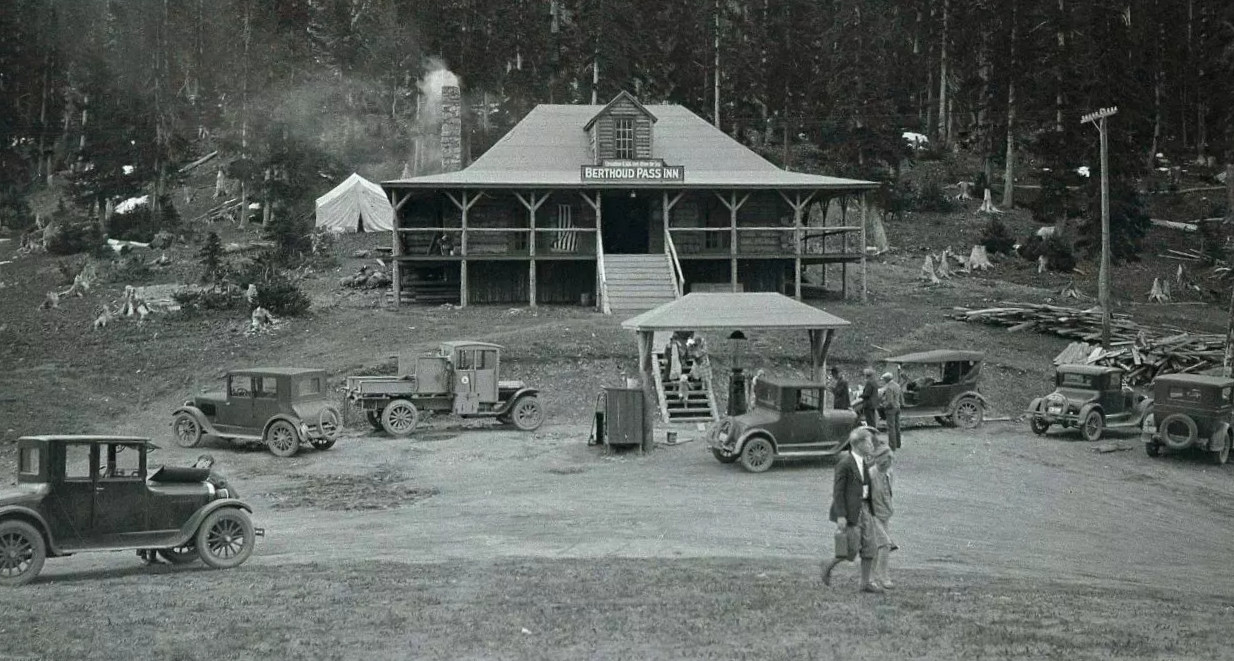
{"x": 1143, "y": 352}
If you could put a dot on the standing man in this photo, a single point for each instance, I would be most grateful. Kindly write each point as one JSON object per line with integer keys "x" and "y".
{"x": 869, "y": 398}
{"x": 850, "y": 504}
{"x": 839, "y": 390}
{"x": 893, "y": 400}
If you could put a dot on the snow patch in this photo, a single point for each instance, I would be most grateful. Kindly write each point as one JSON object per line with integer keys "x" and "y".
{"x": 132, "y": 203}
{"x": 1083, "y": 171}
{"x": 915, "y": 140}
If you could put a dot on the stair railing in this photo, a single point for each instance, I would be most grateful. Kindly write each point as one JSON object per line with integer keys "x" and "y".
{"x": 670, "y": 250}
{"x": 604, "y": 306}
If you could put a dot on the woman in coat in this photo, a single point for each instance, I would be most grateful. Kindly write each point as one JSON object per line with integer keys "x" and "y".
{"x": 880, "y": 505}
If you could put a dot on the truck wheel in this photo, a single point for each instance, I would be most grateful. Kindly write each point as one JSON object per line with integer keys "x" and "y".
{"x": 226, "y": 539}
{"x": 757, "y": 455}
{"x": 1093, "y": 425}
{"x": 374, "y": 419}
{"x": 22, "y": 552}
{"x": 526, "y": 413}
{"x": 282, "y": 439}
{"x": 1039, "y": 425}
{"x": 1220, "y": 457}
{"x": 399, "y": 418}
{"x": 186, "y": 430}
{"x": 968, "y": 413}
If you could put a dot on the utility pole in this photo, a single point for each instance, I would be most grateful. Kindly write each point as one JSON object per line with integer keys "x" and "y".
{"x": 715, "y": 75}
{"x": 1103, "y": 285}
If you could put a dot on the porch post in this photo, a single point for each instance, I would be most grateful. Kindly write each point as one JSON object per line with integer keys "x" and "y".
{"x": 601, "y": 292}
{"x": 733, "y": 205}
{"x": 464, "y": 204}
{"x": 396, "y": 251}
{"x": 647, "y": 373}
{"x": 864, "y": 293}
{"x": 532, "y": 203}
{"x": 798, "y": 205}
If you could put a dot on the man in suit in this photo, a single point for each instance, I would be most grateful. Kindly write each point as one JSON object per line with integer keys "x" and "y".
{"x": 868, "y": 401}
{"x": 850, "y": 503}
{"x": 893, "y": 401}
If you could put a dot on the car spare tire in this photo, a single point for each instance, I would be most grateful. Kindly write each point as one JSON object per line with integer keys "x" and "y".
{"x": 1178, "y": 431}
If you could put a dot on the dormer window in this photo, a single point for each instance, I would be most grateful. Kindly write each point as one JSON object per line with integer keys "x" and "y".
{"x": 624, "y": 137}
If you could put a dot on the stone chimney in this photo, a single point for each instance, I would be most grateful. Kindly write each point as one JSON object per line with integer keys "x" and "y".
{"x": 451, "y": 128}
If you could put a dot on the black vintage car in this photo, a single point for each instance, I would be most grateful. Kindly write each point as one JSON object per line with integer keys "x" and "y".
{"x": 943, "y": 384}
{"x": 1091, "y": 397}
{"x": 97, "y": 493}
{"x": 1191, "y": 411}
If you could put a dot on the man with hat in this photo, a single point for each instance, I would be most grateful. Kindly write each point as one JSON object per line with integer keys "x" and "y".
{"x": 892, "y": 402}
{"x": 869, "y": 398}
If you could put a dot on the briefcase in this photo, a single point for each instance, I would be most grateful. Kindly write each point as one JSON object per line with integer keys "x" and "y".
{"x": 848, "y": 543}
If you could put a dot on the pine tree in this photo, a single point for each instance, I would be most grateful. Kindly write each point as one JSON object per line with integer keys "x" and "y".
{"x": 211, "y": 258}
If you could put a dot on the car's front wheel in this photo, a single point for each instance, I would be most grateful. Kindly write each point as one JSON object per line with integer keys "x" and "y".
{"x": 186, "y": 430}
{"x": 1039, "y": 425}
{"x": 226, "y": 538}
{"x": 282, "y": 439}
{"x": 22, "y": 552}
{"x": 1093, "y": 425}
{"x": 757, "y": 455}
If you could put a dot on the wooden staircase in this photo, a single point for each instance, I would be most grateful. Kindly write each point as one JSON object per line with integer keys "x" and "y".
{"x": 638, "y": 282}
{"x": 695, "y": 402}
{"x": 427, "y": 286}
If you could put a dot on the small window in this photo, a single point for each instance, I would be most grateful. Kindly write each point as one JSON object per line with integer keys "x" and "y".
{"x": 808, "y": 400}
{"x": 76, "y": 461}
{"x": 28, "y": 461}
{"x": 265, "y": 387}
{"x": 1225, "y": 394}
{"x": 486, "y": 359}
{"x": 1116, "y": 381}
{"x": 240, "y": 386}
{"x": 309, "y": 387}
{"x": 1185, "y": 394}
{"x": 121, "y": 462}
{"x": 623, "y": 135}
{"x": 466, "y": 360}
{"x": 1069, "y": 379}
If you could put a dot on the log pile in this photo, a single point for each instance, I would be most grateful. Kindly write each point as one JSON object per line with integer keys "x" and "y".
{"x": 1142, "y": 351}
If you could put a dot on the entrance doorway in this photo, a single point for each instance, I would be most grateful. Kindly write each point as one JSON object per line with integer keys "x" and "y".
{"x": 626, "y": 223}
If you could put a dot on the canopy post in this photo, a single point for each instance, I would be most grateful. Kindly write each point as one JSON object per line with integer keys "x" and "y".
{"x": 647, "y": 373}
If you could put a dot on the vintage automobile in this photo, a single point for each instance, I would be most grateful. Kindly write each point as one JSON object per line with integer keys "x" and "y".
{"x": 279, "y": 407}
{"x": 459, "y": 377}
{"x": 943, "y": 385}
{"x": 1196, "y": 412}
{"x": 1091, "y": 397}
{"x": 97, "y": 493}
{"x": 785, "y": 420}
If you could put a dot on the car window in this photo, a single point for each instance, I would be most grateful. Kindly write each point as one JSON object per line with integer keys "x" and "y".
{"x": 486, "y": 359}
{"x": 309, "y": 386}
{"x": 120, "y": 462}
{"x": 466, "y": 360}
{"x": 240, "y": 386}
{"x": 1116, "y": 381}
{"x": 1077, "y": 380}
{"x": 807, "y": 400}
{"x": 76, "y": 461}
{"x": 1225, "y": 395}
{"x": 28, "y": 461}
{"x": 266, "y": 387}
{"x": 1179, "y": 394}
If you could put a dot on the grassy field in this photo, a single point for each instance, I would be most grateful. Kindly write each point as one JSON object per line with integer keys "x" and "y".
{"x": 596, "y": 609}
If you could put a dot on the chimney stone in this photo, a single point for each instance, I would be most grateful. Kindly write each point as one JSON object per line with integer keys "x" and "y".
{"x": 451, "y": 128}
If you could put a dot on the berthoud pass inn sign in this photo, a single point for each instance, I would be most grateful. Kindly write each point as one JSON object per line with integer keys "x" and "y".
{"x": 633, "y": 171}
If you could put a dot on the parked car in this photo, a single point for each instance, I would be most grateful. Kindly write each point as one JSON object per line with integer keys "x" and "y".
{"x": 942, "y": 384}
{"x": 786, "y": 419}
{"x": 1091, "y": 397}
{"x": 1195, "y": 411}
{"x": 97, "y": 493}
{"x": 279, "y": 407}
{"x": 460, "y": 377}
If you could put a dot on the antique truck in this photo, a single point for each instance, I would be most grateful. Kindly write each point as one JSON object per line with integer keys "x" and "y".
{"x": 942, "y": 384}
{"x": 459, "y": 377}
{"x": 1195, "y": 411}
{"x": 786, "y": 419}
{"x": 278, "y": 407}
{"x": 1091, "y": 397}
{"x": 97, "y": 493}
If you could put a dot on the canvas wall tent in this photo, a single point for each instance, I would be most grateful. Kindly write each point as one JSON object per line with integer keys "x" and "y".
{"x": 357, "y": 204}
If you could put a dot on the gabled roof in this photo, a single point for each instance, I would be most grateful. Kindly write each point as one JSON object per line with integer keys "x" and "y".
{"x": 755, "y": 311}
{"x": 549, "y": 146}
{"x": 621, "y": 95}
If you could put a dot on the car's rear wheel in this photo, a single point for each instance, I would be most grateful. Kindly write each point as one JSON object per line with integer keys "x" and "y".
{"x": 757, "y": 455}
{"x": 526, "y": 414}
{"x": 1093, "y": 425}
{"x": 399, "y": 418}
{"x": 1220, "y": 457}
{"x": 282, "y": 439}
{"x": 968, "y": 413}
{"x": 226, "y": 538}
{"x": 1039, "y": 425}
{"x": 186, "y": 430}
{"x": 723, "y": 458}
{"x": 22, "y": 552}
{"x": 181, "y": 555}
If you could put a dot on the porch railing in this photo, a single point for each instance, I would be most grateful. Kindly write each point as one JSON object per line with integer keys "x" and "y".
{"x": 602, "y": 281}
{"x": 670, "y": 250}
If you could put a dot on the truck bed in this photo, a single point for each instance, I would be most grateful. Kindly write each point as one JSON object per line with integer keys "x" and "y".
{"x": 359, "y": 387}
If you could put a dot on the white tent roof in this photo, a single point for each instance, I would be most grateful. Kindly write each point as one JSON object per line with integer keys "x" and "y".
{"x": 355, "y": 203}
